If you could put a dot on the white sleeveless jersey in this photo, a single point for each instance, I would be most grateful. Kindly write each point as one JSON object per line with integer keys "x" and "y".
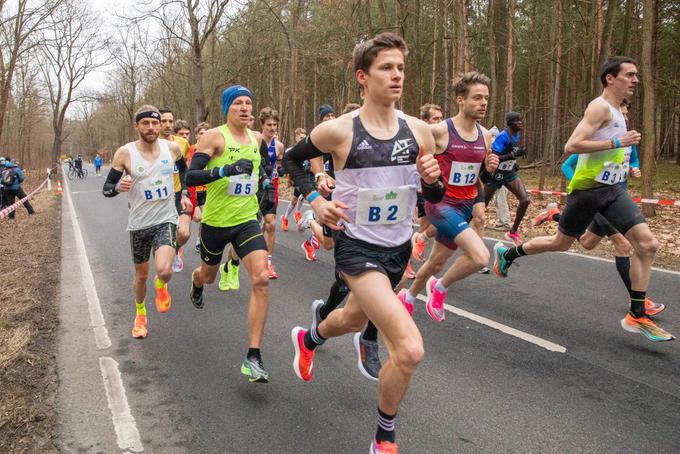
{"x": 615, "y": 128}
{"x": 151, "y": 198}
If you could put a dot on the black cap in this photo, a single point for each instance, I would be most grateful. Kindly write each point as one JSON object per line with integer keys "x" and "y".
{"x": 512, "y": 117}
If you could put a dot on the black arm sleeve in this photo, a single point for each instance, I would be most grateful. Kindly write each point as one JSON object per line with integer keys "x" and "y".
{"x": 182, "y": 169}
{"x": 112, "y": 180}
{"x": 433, "y": 193}
{"x": 197, "y": 175}
{"x": 515, "y": 153}
{"x": 293, "y": 160}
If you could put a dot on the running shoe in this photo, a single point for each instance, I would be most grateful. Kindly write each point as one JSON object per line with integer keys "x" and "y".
{"x": 435, "y": 301}
{"x": 196, "y": 294}
{"x": 163, "y": 299}
{"x": 409, "y": 273}
{"x": 368, "y": 360}
{"x": 547, "y": 215}
{"x": 224, "y": 278}
{"x": 254, "y": 369}
{"x": 485, "y": 270}
{"x": 178, "y": 264}
{"x": 384, "y": 447}
{"x": 514, "y": 237}
{"x": 297, "y": 215}
{"x": 500, "y": 264}
{"x": 652, "y": 308}
{"x": 284, "y": 223}
{"x": 139, "y": 331}
{"x": 303, "y": 362}
{"x": 316, "y": 316}
{"x": 645, "y": 325}
{"x": 402, "y": 297}
{"x": 418, "y": 252}
{"x": 309, "y": 251}
{"x": 272, "y": 271}
{"x": 232, "y": 276}
{"x": 315, "y": 242}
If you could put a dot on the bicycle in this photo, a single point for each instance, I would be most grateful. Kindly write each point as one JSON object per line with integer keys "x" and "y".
{"x": 77, "y": 173}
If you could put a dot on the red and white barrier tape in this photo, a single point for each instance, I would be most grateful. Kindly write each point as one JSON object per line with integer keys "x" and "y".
{"x": 7, "y": 210}
{"x": 635, "y": 199}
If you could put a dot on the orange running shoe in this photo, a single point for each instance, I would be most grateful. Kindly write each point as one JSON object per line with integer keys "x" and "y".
{"x": 547, "y": 215}
{"x": 309, "y": 251}
{"x": 139, "y": 331}
{"x": 409, "y": 273}
{"x": 652, "y": 308}
{"x": 645, "y": 325}
{"x": 163, "y": 298}
{"x": 303, "y": 362}
{"x": 272, "y": 271}
{"x": 384, "y": 447}
{"x": 297, "y": 215}
{"x": 284, "y": 223}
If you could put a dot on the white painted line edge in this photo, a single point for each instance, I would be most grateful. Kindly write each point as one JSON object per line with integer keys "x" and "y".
{"x": 551, "y": 346}
{"x": 101, "y": 335}
{"x": 127, "y": 435}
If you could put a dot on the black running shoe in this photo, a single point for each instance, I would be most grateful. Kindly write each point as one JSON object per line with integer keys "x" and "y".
{"x": 196, "y": 294}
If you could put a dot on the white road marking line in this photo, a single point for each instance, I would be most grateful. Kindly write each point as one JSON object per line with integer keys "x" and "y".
{"x": 127, "y": 435}
{"x": 101, "y": 334}
{"x": 503, "y": 328}
{"x": 86, "y": 192}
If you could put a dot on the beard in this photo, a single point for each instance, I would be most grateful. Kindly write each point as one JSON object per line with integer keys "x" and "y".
{"x": 149, "y": 137}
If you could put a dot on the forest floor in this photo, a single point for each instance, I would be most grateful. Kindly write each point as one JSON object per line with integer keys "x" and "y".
{"x": 29, "y": 322}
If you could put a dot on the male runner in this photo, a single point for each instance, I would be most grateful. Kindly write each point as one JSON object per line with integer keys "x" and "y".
{"x": 295, "y": 205}
{"x": 228, "y": 162}
{"x": 461, "y": 149}
{"x": 184, "y": 227}
{"x": 152, "y": 222}
{"x": 600, "y": 140}
{"x": 272, "y": 153}
{"x": 182, "y": 129}
{"x": 377, "y": 166}
{"x": 197, "y": 192}
{"x": 506, "y": 145}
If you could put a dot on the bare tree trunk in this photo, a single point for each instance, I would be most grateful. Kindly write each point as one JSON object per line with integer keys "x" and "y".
{"x": 494, "y": 107}
{"x": 554, "y": 108}
{"x": 649, "y": 104}
{"x": 510, "y": 64}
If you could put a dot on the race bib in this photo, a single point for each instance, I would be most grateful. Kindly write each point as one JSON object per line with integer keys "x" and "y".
{"x": 242, "y": 185}
{"x": 613, "y": 173}
{"x": 382, "y": 206}
{"x": 507, "y": 166}
{"x": 464, "y": 173}
{"x": 159, "y": 190}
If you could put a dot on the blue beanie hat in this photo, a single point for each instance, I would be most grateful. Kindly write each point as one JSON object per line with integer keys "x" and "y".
{"x": 325, "y": 109}
{"x": 231, "y": 93}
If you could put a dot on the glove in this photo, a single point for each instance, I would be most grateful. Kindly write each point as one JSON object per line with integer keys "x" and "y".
{"x": 266, "y": 183}
{"x": 239, "y": 167}
{"x": 518, "y": 152}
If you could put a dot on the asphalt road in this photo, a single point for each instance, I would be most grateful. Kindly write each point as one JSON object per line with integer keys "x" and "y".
{"x": 477, "y": 390}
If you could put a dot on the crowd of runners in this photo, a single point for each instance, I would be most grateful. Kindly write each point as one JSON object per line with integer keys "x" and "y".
{"x": 370, "y": 175}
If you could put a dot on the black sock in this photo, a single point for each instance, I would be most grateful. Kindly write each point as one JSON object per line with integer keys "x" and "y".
{"x": 623, "y": 267}
{"x": 385, "y": 430}
{"x": 514, "y": 252}
{"x": 254, "y": 353}
{"x": 556, "y": 218}
{"x": 234, "y": 262}
{"x": 313, "y": 339}
{"x": 637, "y": 303}
{"x": 335, "y": 297}
{"x": 371, "y": 332}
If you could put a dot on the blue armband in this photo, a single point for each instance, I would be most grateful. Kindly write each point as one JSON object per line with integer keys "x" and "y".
{"x": 312, "y": 196}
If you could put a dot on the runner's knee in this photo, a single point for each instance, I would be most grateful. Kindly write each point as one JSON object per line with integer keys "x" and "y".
{"x": 480, "y": 257}
{"x": 648, "y": 247}
{"x": 260, "y": 279}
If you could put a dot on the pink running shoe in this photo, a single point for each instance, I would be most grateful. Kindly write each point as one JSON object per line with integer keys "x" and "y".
{"x": 402, "y": 297}
{"x": 435, "y": 301}
{"x": 514, "y": 237}
{"x": 315, "y": 242}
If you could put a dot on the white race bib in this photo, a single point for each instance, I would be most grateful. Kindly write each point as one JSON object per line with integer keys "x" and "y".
{"x": 464, "y": 173}
{"x": 382, "y": 206}
{"x": 613, "y": 173}
{"x": 159, "y": 190}
{"x": 242, "y": 185}
{"x": 507, "y": 166}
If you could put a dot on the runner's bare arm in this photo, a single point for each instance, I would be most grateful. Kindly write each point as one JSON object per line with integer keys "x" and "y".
{"x": 428, "y": 167}
{"x": 181, "y": 165}
{"x": 440, "y": 133}
{"x": 596, "y": 115}
{"x": 119, "y": 164}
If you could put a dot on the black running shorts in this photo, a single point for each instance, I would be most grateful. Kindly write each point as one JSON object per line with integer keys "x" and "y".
{"x": 601, "y": 227}
{"x": 143, "y": 241}
{"x": 200, "y": 198}
{"x": 244, "y": 238}
{"x": 612, "y": 202}
{"x": 355, "y": 257}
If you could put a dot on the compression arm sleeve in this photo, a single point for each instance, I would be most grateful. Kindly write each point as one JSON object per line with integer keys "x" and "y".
{"x": 634, "y": 159}
{"x": 433, "y": 193}
{"x": 569, "y": 166}
{"x": 112, "y": 180}
{"x": 293, "y": 160}
{"x": 197, "y": 175}
{"x": 182, "y": 170}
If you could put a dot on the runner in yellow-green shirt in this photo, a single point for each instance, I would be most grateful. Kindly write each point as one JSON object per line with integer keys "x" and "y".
{"x": 228, "y": 162}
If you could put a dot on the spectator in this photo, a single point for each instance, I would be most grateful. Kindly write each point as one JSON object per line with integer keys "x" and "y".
{"x": 98, "y": 165}
{"x": 11, "y": 177}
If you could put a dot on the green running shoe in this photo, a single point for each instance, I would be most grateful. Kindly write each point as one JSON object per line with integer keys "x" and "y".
{"x": 232, "y": 276}
{"x": 196, "y": 294}
{"x": 224, "y": 278}
{"x": 500, "y": 264}
{"x": 254, "y": 369}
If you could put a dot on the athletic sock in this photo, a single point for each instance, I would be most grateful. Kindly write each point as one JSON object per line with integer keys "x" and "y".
{"x": 623, "y": 267}
{"x": 514, "y": 252}
{"x": 637, "y": 303}
{"x": 235, "y": 262}
{"x": 385, "y": 430}
{"x": 254, "y": 353}
{"x": 556, "y": 218}
{"x": 289, "y": 210}
{"x": 141, "y": 308}
{"x": 313, "y": 339}
{"x": 423, "y": 237}
{"x": 298, "y": 205}
{"x": 439, "y": 286}
{"x": 310, "y": 234}
{"x": 370, "y": 333}
{"x": 269, "y": 260}
{"x": 158, "y": 283}
{"x": 335, "y": 297}
{"x": 410, "y": 297}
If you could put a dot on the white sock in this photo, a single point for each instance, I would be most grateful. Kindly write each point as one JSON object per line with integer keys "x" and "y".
{"x": 298, "y": 205}
{"x": 289, "y": 210}
{"x": 409, "y": 297}
{"x": 439, "y": 286}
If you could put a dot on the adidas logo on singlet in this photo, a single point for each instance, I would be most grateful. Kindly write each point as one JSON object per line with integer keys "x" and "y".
{"x": 400, "y": 152}
{"x": 364, "y": 145}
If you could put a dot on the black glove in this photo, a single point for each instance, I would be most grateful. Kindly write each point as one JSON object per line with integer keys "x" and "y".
{"x": 518, "y": 152}
{"x": 239, "y": 167}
